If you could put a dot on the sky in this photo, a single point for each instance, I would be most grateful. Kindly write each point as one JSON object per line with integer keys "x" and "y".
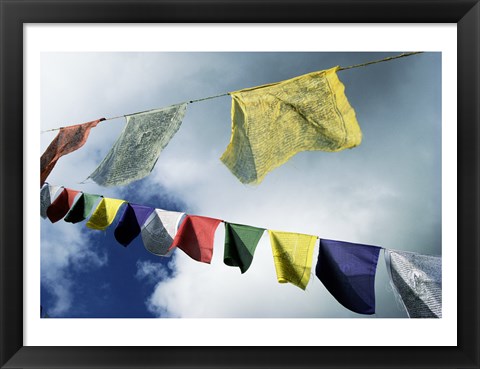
{"x": 385, "y": 192}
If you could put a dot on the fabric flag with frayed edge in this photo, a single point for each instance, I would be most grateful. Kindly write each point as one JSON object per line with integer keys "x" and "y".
{"x": 292, "y": 254}
{"x": 67, "y": 141}
{"x": 130, "y": 223}
{"x": 195, "y": 237}
{"x": 272, "y": 123}
{"x": 82, "y": 208}
{"x": 240, "y": 244}
{"x": 47, "y": 195}
{"x": 417, "y": 280}
{"x": 104, "y": 213}
{"x": 159, "y": 231}
{"x": 348, "y": 272}
{"x": 61, "y": 205}
{"x": 137, "y": 149}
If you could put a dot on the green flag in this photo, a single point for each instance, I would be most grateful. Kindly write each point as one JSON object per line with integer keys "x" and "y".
{"x": 82, "y": 208}
{"x": 240, "y": 244}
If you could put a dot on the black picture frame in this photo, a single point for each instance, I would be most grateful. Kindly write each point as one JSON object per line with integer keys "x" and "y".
{"x": 15, "y": 13}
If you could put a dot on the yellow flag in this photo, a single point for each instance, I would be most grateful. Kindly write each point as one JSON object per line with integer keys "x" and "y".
{"x": 292, "y": 254}
{"x": 272, "y": 123}
{"x": 104, "y": 214}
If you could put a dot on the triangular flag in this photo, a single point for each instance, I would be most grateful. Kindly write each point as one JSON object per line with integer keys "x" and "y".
{"x": 292, "y": 254}
{"x": 104, "y": 214}
{"x": 240, "y": 244}
{"x": 82, "y": 208}
{"x": 47, "y": 195}
{"x": 60, "y": 206}
{"x": 137, "y": 149}
{"x": 417, "y": 280}
{"x": 272, "y": 123}
{"x": 130, "y": 223}
{"x": 159, "y": 231}
{"x": 348, "y": 271}
{"x": 67, "y": 140}
{"x": 195, "y": 237}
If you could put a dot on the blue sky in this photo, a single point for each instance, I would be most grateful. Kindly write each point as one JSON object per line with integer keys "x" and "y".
{"x": 386, "y": 192}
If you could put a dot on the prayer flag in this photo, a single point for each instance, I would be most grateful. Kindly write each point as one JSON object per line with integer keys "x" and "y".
{"x": 240, "y": 244}
{"x": 292, "y": 254}
{"x": 348, "y": 271}
{"x": 67, "y": 140}
{"x": 129, "y": 225}
{"x": 195, "y": 237}
{"x": 272, "y": 123}
{"x": 417, "y": 280}
{"x": 104, "y": 214}
{"x": 60, "y": 206}
{"x": 159, "y": 231}
{"x": 82, "y": 208}
{"x": 137, "y": 149}
{"x": 47, "y": 194}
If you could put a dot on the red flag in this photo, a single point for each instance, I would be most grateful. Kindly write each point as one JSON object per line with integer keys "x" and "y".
{"x": 68, "y": 140}
{"x": 195, "y": 237}
{"x": 62, "y": 204}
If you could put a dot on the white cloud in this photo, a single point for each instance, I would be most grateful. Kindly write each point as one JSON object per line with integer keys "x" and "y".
{"x": 151, "y": 272}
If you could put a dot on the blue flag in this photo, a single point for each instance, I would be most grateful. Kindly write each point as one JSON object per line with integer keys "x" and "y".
{"x": 348, "y": 270}
{"x": 129, "y": 225}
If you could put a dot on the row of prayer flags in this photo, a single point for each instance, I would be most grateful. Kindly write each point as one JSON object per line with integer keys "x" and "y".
{"x": 270, "y": 124}
{"x": 161, "y": 230}
{"x": 347, "y": 270}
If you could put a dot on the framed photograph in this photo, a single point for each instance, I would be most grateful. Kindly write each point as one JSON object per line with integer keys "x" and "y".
{"x": 171, "y": 255}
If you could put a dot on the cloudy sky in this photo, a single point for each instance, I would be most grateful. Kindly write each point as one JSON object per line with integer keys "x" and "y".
{"x": 386, "y": 192}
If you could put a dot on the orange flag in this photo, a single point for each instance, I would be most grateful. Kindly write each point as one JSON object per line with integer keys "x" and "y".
{"x": 195, "y": 237}
{"x": 68, "y": 140}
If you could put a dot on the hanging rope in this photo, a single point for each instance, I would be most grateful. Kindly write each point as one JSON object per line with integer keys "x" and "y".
{"x": 381, "y": 60}
{"x": 227, "y": 93}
